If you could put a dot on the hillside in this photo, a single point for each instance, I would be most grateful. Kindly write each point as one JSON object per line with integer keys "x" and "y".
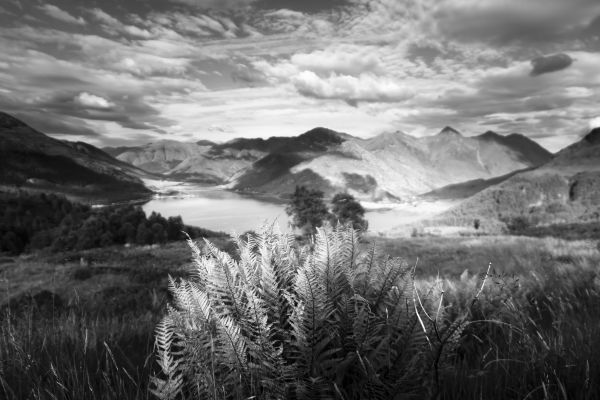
{"x": 564, "y": 190}
{"x": 466, "y": 189}
{"x": 207, "y": 162}
{"x": 31, "y": 160}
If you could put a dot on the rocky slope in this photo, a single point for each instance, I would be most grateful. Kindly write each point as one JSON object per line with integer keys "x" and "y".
{"x": 30, "y": 159}
{"x": 566, "y": 189}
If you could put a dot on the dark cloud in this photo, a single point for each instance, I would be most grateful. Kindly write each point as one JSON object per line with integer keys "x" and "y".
{"x": 516, "y": 21}
{"x": 56, "y": 124}
{"x": 130, "y": 111}
{"x": 308, "y": 6}
{"x": 423, "y": 52}
{"x": 247, "y": 75}
{"x": 551, "y": 63}
{"x": 593, "y": 28}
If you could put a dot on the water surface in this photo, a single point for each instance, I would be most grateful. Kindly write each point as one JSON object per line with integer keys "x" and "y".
{"x": 221, "y": 210}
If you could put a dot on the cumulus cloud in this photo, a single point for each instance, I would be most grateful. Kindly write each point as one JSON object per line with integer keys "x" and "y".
{"x": 551, "y": 63}
{"x": 352, "y": 89}
{"x": 348, "y": 60}
{"x": 61, "y": 15}
{"x": 594, "y": 123}
{"x": 89, "y": 100}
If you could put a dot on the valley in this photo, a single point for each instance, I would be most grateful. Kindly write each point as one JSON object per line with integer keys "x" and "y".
{"x": 438, "y": 183}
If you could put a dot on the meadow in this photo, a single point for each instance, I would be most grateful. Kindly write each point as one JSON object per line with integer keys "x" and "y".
{"x": 80, "y": 324}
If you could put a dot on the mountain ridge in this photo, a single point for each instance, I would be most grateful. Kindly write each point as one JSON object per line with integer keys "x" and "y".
{"x": 391, "y": 165}
{"x": 33, "y": 160}
{"x": 566, "y": 189}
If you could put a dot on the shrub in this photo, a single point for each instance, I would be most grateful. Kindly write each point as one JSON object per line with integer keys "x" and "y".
{"x": 287, "y": 322}
{"x": 307, "y": 209}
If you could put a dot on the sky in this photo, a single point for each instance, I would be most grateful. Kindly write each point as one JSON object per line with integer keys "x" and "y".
{"x": 126, "y": 72}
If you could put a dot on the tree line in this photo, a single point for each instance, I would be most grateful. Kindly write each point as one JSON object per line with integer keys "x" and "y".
{"x": 31, "y": 222}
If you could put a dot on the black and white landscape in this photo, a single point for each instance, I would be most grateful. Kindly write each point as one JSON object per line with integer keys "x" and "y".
{"x": 281, "y": 199}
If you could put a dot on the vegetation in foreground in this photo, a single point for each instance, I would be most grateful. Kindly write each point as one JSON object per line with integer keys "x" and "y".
{"x": 533, "y": 332}
{"x": 330, "y": 321}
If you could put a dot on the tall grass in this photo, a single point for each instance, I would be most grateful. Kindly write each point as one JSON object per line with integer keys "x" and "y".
{"x": 74, "y": 355}
{"x": 534, "y": 333}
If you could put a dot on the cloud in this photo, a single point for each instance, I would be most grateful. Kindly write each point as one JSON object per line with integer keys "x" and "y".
{"x": 216, "y": 4}
{"x": 61, "y": 15}
{"x": 348, "y": 60}
{"x": 92, "y": 101}
{"x": 247, "y": 75}
{"x": 351, "y": 89}
{"x": 113, "y": 26}
{"x": 594, "y": 123}
{"x": 56, "y": 124}
{"x": 551, "y": 63}
{"x": 509, "y": 21}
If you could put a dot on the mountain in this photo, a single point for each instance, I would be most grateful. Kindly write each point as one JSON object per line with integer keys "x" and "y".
{"x": 389, "y": 166}
{"x": 207, "y": 162}
{"x": 30, "y": 159}
{"x": 396, "y": 165}
{"x": 565, "y": 189}
{"x": 528, "y": 150}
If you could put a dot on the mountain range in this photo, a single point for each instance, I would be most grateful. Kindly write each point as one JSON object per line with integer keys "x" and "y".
{"x": 496, "y": 177}
{"x": 31, "y": 160}
{"x": 388, "y": 166}
{"x": 563, "y": 190}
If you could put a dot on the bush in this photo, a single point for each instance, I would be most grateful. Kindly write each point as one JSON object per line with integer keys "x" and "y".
{"x": 321, "y": 321}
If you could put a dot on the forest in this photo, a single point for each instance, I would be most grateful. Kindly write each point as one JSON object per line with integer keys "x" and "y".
{"x": 30, "y": 222}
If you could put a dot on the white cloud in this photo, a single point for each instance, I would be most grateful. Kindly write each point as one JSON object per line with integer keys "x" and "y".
{"x": 365, "y": 87}
{"x": 61, "y": 15}
{"x": 88, "y": 100}
{"x": 348, "y": 60}
{"x": 594, "y": 123}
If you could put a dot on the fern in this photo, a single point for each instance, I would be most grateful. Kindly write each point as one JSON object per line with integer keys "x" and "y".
{"x": 282, "y": 321}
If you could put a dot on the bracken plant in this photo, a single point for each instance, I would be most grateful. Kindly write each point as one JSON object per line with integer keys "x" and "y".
{"x": 327, "y": 320}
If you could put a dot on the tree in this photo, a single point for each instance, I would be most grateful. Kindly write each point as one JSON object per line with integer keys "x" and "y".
{"x": 346, "y": 210}
{"x": 174, "y": 228}
{"x": 158, "y": 233}
{"x": 307, "y": 209}
{"x": 143, "y": 234}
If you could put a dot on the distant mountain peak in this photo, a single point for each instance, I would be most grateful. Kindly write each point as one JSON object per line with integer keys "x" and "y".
{"x": 448, "y": 130}
{"x": 204, "y": 142}
{"x": 593, "y": 137}
{"x": 491, "y": 135}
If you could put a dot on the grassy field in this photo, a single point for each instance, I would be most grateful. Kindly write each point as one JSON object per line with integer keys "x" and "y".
{"x": 80, "y": 325}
